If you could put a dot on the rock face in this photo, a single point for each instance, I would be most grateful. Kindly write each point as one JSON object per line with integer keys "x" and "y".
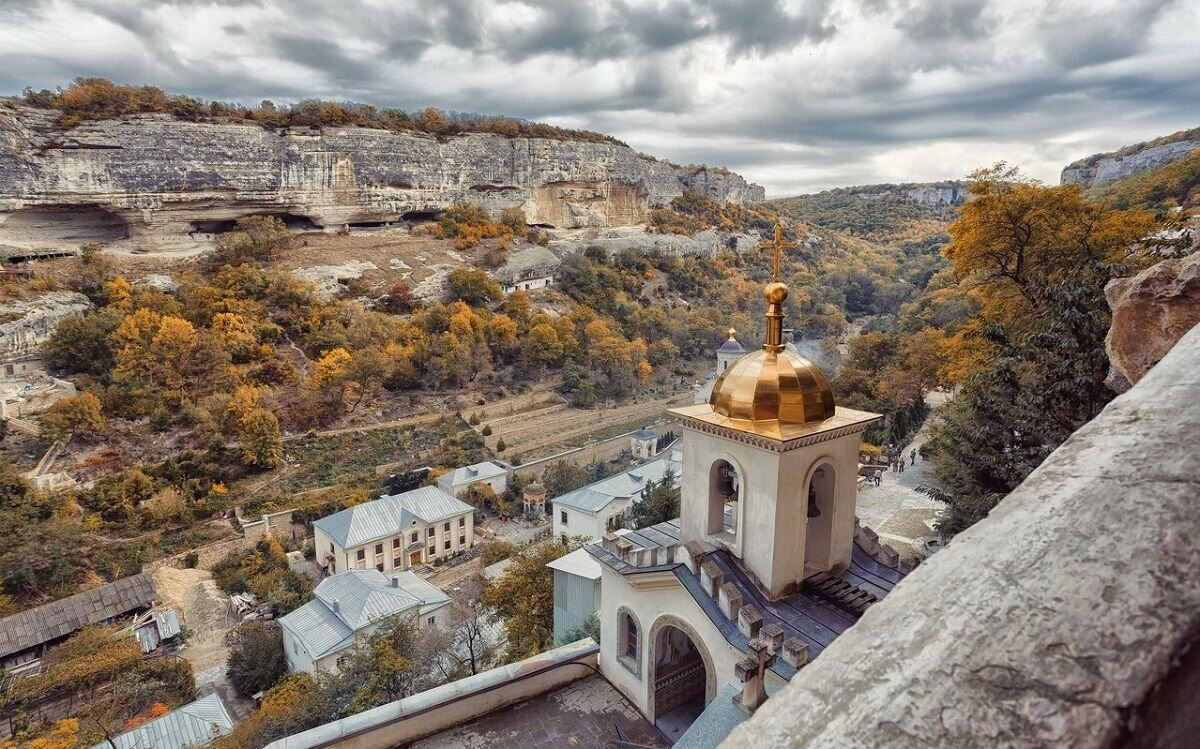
{"x": 151, "y": 178}
{"x": 1151, "y": 312}
{"x": 1066, "y": 618}
{"x": 922, "y": 193}
{"x": 30, "y": 323}
{"x": 1100, "y": 169}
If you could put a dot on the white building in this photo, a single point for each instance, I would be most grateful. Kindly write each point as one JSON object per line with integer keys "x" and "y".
{"x": 528, "y": 269}
{"x": 348, "y": 607}
{"x": 576, "y": 591}
{"x": 762, "y": 571}
{"x": 395, "y": 533}
{"x": 460, "y": 479}
{"x": 587, "y": 510}
{"x": 643, "y": 444}
{"x": 728, "y": 353}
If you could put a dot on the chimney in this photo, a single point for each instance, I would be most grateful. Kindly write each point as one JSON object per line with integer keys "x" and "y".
{"x": 334, "y": 605}
{"x": 395, "y": 582}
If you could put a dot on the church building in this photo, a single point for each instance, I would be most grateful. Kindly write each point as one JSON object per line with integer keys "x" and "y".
{"x": 703, "y": 616}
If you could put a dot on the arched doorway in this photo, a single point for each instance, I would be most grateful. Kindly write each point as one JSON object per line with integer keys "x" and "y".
{"x": 819, "y": 528}
{"x": 724, "y": 496}
{"x": 681, "y": 677}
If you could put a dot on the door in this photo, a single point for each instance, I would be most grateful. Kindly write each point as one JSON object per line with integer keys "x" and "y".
{"x": 414, "y": 559}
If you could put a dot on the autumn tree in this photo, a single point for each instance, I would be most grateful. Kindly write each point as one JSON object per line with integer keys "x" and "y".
{"x": 1030, "y": 365}
{"x": 79, "y": 415}
{"x": 474, "y": 286}
{"x": 260, "y": 439}
{"x": 523, "y": 597}
{"x": 256, "y": 661}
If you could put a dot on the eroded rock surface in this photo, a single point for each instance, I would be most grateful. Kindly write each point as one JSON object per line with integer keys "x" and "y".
{"x": 154, "y": 180}
{"x": 26, "y": 324}
{"x": 1151, "y": 312}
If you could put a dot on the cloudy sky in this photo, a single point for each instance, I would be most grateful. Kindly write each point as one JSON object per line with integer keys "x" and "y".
{"x": 798, "y": 95}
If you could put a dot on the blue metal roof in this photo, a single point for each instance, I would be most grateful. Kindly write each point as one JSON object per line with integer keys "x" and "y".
{"x": 389, "y": 516}
{"x": 194, "y": 724}
{"x": 470, "y": 474}
{"x": 352, "y": 600}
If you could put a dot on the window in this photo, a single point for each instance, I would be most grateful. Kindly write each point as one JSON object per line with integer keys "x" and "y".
{"x": 462, "y": 522}
{"x": 379, "y": 566}
{"x": 378, "y": 549}
{"x": 414, "y": 537}
{"x": 430, "y": 531}
{"x": 446, "y": 527}
{"x": 431, "y": 621}
{"x": 432, "y": 551}
{"x": 628, "y": 647}
{"x": 724, "y": 493}
{"x": 361, "y": 554}
{"x": 446, "y": 546}
{"x": 331, "y": 548}
{"x": 462, "y": 540}
{"x": 562, "y": 516}
{"x": 395, "y": 543}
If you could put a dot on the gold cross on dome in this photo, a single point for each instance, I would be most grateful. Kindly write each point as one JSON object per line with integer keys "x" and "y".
{"x": 779, "y": 245}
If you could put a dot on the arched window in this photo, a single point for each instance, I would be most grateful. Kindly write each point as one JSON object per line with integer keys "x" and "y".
{"x": 724, "y": 494}
{"x": 820, "y": 499}
{"x": 629, "y": 647}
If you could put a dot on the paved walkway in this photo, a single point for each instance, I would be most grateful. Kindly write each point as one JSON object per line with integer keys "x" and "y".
{"x": 896, "y": 510}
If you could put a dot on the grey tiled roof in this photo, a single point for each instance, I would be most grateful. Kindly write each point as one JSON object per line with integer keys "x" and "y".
{"x": 191, "y": 725}
{"x": 349, "y": 601}
{"x": 60, "y": 618}
{"x": 597, "y": 496}
{"x": 528, "y": 263}
{"x": 389, "y": 516}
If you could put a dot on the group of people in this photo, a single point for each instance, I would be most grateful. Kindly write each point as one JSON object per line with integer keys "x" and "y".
{"x": 897, "y": 464}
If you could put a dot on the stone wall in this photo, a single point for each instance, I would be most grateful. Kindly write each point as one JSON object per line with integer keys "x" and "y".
{"x": 1067, "y": 617}
{"x": 163, "y": 178}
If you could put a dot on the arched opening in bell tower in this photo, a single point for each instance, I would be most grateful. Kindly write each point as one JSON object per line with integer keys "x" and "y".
{"x": 725, "y": 487}
{"x": 819, "y": 510}
{"x": 679, "y": 680}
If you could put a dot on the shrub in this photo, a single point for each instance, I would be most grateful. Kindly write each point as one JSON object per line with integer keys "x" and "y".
{"x": 487, "y": 430}
{"x": 257, "y": 661}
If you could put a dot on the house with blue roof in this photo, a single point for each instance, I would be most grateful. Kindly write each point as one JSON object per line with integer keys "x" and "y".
{"x": 587, "y": 510}
{"x": 460, "y": 479}
{"x": 348, "y": 608}
{"x": 395, "y": 533}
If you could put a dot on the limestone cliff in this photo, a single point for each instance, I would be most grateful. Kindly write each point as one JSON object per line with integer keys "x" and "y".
{"x": 153, "y": 179}
{"x": 1102, "y": 168}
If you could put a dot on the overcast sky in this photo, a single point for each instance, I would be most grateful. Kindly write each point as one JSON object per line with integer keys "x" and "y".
{"x": 797, "y": 95}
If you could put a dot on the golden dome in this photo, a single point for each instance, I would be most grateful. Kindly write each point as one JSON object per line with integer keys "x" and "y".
{"x": 770, "y": 385}
{"x": 774, "y": 384}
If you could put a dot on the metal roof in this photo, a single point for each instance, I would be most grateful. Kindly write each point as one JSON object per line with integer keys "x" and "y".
{"x": 579, "y": 563}
{"x": 469, "y": 474}
{"x": 194, "y": 724}
{"x": 60, "y": 618}
{"x": 389, "y": 516}
{"x": 349, "y": 601}
{"x": 595, "y": 497}
{"x": 731, "y": 346}
{"x": 645, "y": 433}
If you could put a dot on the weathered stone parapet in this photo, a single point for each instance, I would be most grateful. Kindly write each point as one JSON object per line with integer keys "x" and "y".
{"x": 730, "y": 601}
{"x": 711, "y": 578}
{"x": 1062, "y": 619}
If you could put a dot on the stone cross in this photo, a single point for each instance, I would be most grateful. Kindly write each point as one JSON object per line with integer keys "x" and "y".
{"x": 779, "y": 245}
{"x": 752, "y": 672}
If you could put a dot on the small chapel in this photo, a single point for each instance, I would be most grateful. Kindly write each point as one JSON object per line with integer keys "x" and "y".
{"x": 704, "y": 616}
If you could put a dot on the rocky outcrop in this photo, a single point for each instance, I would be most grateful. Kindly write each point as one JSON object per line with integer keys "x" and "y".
{"x": 703, "y": 244}
{"x": 152, "y": 179}
{"x": 1102, "y": 168}
{"x": 1150, "y": 313}
{"x": 29, "y": 323}
{"x": 948, "y": 193}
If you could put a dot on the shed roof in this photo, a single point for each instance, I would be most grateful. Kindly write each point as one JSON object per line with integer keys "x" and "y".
{"x": 579, "y": 563}
{"x": 389, "y": 515}
{"x": 595, "y": 497}
{"x": 194, "y": 724}
{"x": 60, "y": 618}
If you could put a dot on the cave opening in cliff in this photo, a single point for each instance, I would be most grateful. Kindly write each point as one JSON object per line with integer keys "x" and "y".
{"x": 418, "y": 217}
{"x": 292, "y": 221}
{"x": 44, "y": 226}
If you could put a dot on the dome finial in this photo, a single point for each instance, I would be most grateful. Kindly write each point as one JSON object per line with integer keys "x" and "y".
{"x": 776, "y": 293}
{"x": 732, "y": 330}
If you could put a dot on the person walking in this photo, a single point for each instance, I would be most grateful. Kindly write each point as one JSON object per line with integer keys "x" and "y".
{"x": 901, "y": 461}
{"x": 913, "y": 456}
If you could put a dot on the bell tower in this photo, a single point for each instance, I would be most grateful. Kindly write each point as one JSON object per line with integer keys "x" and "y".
{"x": 770, "y": 463}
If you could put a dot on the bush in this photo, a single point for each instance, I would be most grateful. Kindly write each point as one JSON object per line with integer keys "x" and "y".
{"x": 257, "y": 661}
{"x": 500, "y": 446}
{"x": 487, "y": 430}
{"x": 191, "y": 560}
{"x": 496, "y": 551}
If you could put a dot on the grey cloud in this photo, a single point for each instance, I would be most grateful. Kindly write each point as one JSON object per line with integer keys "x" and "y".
{"x": 945, "y": 19}
{"x": 1080, "y": 37}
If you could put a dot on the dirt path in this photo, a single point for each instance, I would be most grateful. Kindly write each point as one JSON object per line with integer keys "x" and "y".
{"x": 407, "y": 421}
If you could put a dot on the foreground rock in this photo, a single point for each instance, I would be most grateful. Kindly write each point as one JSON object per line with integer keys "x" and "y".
{"x": 154, "y": 180}
{"x": 1151, "y": 312}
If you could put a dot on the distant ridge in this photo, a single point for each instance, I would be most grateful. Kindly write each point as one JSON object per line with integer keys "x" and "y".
{"x": 1103, "y": 168}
